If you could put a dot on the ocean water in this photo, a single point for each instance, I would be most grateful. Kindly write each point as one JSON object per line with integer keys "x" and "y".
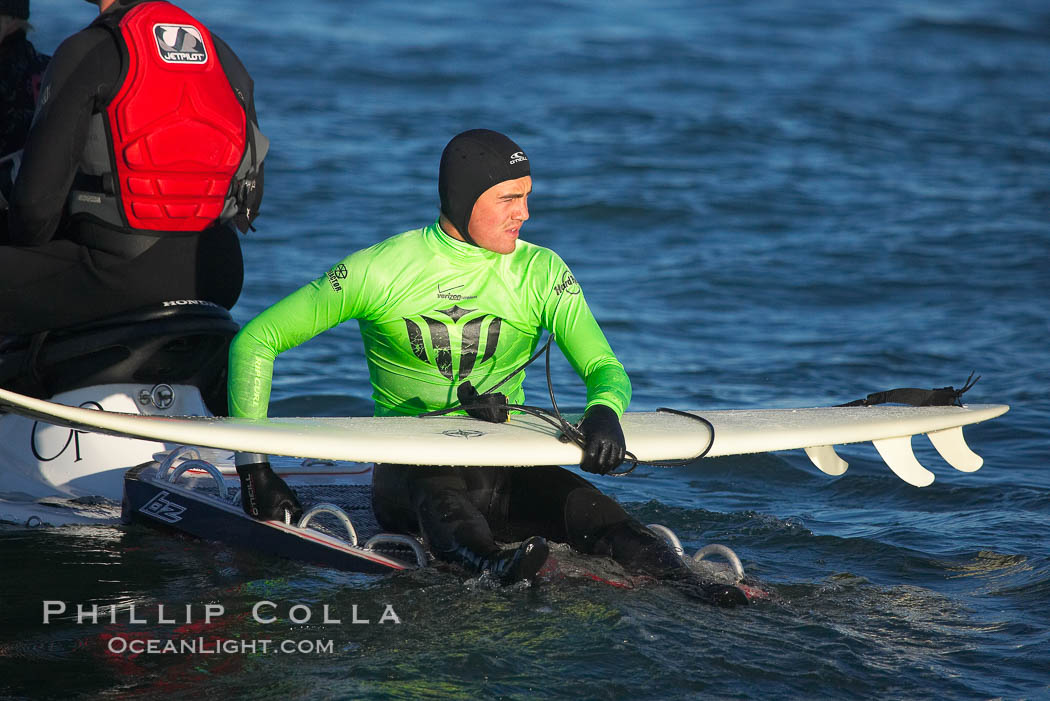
{"x": 768, "y": 204}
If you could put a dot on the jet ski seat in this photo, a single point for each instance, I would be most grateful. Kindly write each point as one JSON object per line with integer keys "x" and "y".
{"x": 176, "y": 342}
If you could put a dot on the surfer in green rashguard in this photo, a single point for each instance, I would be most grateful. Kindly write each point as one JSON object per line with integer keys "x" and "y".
{"x": 445, "y": 311}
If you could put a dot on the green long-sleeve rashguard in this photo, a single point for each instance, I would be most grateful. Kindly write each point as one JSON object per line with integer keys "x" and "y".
{"x": 434, "y": 312}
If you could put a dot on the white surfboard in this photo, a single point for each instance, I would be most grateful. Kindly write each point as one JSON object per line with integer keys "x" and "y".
{"x": 527, "y": 440}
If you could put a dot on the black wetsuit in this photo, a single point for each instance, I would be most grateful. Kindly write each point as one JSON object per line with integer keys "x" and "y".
{"x": 20, "y": 77}
{"x": 466, "y": 509}
{"x": 58, "y": 271}
{"x": 21, "y": 73}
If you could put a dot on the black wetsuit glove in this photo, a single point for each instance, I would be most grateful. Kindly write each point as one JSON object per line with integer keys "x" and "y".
{"x": 604, "y": 447}
{"x": 491, "y": 406}
{"x": 264, "y": 495}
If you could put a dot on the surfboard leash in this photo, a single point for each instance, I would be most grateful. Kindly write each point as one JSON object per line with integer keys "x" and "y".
{"x": 493, "y": 406}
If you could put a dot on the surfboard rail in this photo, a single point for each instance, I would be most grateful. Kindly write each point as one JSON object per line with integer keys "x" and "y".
{"x": 526, "y": 440}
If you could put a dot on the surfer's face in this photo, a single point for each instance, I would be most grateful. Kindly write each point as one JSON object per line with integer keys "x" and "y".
{"x": 499, "y": 213}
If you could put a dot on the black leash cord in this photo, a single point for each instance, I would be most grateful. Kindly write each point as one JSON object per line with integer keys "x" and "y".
{"x": 545, "y": 349}
{"x": 571, "y": 432}
{"x": 635, "y": 462}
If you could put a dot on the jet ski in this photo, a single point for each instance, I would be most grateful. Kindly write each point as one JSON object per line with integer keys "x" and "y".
{"x": 165, "y": 359}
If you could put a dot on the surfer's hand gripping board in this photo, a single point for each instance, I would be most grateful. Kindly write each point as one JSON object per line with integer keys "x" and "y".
{"x": 526, "y": 440}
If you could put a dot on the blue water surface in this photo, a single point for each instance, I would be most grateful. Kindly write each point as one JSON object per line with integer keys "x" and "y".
{"x": 768, "y": 204}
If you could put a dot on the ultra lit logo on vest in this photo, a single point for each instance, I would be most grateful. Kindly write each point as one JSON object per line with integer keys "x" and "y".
{"x": 180, "y": 43}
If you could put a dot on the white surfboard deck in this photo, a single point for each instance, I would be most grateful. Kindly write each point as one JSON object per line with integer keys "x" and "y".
{"x": 526, "y": 440}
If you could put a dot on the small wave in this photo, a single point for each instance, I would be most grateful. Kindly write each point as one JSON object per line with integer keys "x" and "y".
{"x": 1036, "y": 591}
{"x": 688, "y": 523}
{"x": 1014, "y": 576}
{"x": 973, "y": 28}
{"x": 986, "y": 563}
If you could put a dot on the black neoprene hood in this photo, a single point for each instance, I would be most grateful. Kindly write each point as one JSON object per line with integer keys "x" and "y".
{"x": 471, "y": 163}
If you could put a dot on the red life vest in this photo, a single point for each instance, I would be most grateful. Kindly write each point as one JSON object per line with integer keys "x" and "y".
{"x": 176, "y": 128}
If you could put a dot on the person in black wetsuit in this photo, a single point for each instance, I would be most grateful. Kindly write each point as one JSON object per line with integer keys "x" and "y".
{"x": 21, "y": 71}
{"x": 125, "y": 196}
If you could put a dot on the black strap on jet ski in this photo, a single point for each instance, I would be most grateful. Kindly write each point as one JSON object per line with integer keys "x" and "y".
{"x": 941, "y": 396}
{"x": 31, "y": 367}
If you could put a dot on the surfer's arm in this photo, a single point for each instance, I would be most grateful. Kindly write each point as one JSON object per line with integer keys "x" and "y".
{"x": 82, "y": 74}
{"x": 307, "y": 312}
{"x": 568, "y": 317}
{"x": 580, "y": 338}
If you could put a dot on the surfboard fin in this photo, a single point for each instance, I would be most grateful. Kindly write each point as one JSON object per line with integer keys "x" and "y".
{"x": 827, "y": 460}
{"x": 952, "y": 447}
{"x": 898, "y": 455}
